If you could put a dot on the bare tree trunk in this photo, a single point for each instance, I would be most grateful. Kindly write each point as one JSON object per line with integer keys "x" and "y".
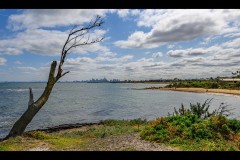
{"x": 33, "y": 107}
{"x": 74, "y": 39}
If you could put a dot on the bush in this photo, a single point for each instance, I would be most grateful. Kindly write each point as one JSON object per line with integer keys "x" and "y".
{"x": 234, "y": 125}
{"x": 202, "y": 110}
{"x": 196, "y": 127}
{"x": 190, "y": 127}
{"x": 213, "y": 85}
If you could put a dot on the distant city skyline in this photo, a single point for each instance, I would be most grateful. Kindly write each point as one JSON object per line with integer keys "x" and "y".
{"x": 139, "y": 44}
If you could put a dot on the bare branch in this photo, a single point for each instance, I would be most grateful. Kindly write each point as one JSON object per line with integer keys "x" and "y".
{"x": 86, "y": 43}
{"x": 65, "y": 73}
{"x": 97, "y": 23}
{"x": 76, "y": 36}
{"x": 74, "y": 40}
{"x": 31, "y": 101}
{"x": 75, "y": 26}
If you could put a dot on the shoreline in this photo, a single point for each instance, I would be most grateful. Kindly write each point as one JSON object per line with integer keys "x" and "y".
{"x": 96, "y": 136}
{"x": 201, "y": 90}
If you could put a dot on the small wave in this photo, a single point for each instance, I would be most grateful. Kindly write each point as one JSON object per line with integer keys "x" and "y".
{"x": 21, "y": 90}
{"x": 4, "y": 124}
{"x": 17, "y": 90}
{"x": 2, "y": 117}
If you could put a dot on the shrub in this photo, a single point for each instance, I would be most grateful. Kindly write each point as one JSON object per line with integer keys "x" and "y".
{"x": 234, "y": 125}
{"x": 202, "y": 110}
{"x": 213, "y": 85}
{"x": 189, "y": 126}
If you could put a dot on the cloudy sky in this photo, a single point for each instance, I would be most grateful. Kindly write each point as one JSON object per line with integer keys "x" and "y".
{"x": 138, "y": 44}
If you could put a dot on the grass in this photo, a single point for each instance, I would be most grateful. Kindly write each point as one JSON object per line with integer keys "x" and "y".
{"x": 74, "y": 139}
{"x": 109, "y": 128}
{"x": 206, "y": 145}
{"x": 38, "y": 138}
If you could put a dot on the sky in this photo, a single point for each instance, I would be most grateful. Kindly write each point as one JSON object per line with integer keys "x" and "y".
{"x": 139, "y": 44}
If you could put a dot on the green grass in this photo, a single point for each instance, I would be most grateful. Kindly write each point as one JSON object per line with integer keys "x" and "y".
{"x": 37, "y": 138}
{"x": 109, "y": 128}
{"x": 206, "y": 145}
{"x": 73, "y": 140}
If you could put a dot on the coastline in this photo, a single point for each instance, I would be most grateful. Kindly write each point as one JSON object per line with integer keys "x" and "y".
{"x": 106, "y": 135}
{"x": 201, "y": 90}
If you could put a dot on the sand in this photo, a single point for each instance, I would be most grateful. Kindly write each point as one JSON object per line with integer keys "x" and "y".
{"x": 203, "y": 90}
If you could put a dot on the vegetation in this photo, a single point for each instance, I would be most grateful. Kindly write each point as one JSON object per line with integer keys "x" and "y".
{"x": 193, "y": 128}
{"x": 202, "y": 110}
{"x": 41, "y": 139}
{"x": 74, "y": 139}
{"x": 196, "y": 129}
{"x": 208, "y": 84}
{"x": 110, "y": 128}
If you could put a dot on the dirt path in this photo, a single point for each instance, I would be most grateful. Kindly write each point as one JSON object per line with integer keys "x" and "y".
{"x": 130, "y": 142}
{"x": 40, "y": 147}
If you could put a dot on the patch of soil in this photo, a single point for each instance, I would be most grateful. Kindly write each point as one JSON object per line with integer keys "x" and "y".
{"x": 130, "y": 142}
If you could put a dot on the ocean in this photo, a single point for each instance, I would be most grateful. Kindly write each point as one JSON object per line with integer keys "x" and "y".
{"x": 91, "y": 102}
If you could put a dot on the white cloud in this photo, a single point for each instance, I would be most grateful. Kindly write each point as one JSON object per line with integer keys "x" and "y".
{"x": 157, "y": 55}
{"x": 190, "y": 51}
{"x": 218, "y": 57}
{"x": 213, "y": 50}
{"x": 2, "y": 61}
{"x": 26, "y": 68}
{"x": 10, "y": 50}
{"x": 170, "y": 46}
{"x": 123, "y": 12}
{"x": 136, "y": 40}
{"x": 161, "y": 27}
{"x": 233, "y": 43}
{"x": 135, "y": 12}
{"x": 48, "y": 42}
{"x": 217, "y": 62}
{"x": 126, "y": 13}
{"x": 36, "y": 41}
{"x": 145, "y": 60}
{"x": 18, "y": 62}
{"x": 178, "y": 26}
{"x": 116, "y": 59}
{"x": 36, "y": 18}
{"x": 81, "y": 60}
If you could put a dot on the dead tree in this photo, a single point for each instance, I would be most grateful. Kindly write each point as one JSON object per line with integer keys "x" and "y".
{"x": 75, "y": 38}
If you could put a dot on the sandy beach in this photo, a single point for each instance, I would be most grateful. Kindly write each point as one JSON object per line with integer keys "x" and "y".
{"x": 203, "y": 90}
